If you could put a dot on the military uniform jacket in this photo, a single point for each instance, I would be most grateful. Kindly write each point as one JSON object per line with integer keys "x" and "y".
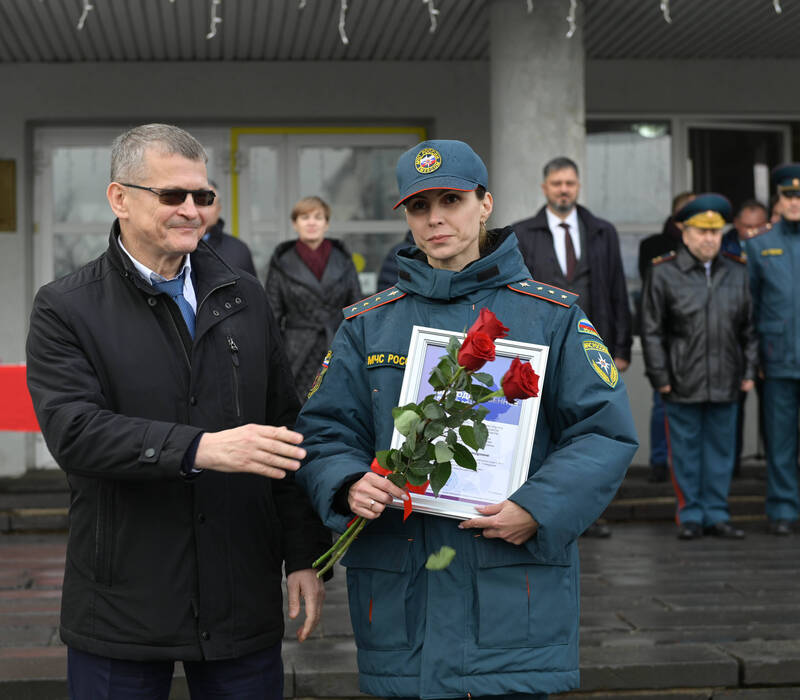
{"x": 501, "y": 618}
{"x": 697, "y": 331}
{"x": 773, "y": 261}
{"x": 158, "y": 566}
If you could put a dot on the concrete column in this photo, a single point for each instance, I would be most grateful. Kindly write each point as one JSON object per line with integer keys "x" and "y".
{"x": 537, "y": 101}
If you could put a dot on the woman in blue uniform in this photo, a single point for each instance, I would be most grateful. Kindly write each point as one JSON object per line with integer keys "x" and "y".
{"x": 502, "y": 619}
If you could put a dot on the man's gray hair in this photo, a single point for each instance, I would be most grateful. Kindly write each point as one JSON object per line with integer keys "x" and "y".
{"x": 128, "y": 149}
{"x": 560, "y": 163}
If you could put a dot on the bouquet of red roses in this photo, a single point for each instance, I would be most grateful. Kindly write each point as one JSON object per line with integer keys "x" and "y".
{"x": 439, "y": 430}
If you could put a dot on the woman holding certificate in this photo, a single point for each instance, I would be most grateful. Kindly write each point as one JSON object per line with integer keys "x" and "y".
{"x": 502, "y": 618}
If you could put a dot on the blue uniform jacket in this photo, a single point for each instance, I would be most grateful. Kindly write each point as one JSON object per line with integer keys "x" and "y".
{"x": 501, "y": 618}
{"x": 773, "y": 262}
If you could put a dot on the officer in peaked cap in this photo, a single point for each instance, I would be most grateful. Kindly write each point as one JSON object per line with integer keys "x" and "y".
{"x": 773, "y": 257}
{"x": 700, "y": 353}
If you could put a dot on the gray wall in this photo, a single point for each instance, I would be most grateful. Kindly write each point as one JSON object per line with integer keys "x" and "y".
{"x": 451, "y": 99}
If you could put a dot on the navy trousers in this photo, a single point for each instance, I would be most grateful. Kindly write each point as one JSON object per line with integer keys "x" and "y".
{"x": 702, "y": 442}
{"x": 781, "y": 401}
{"x": 658, "y": 432}
{"x": 257, "y": 676}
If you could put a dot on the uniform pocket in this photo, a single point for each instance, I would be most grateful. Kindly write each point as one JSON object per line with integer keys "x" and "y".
{"x": 771, "y": 340}
{"x": 104, "y": 533}
{"x": 521, "y": 601}
{"x": 377, "y": 588}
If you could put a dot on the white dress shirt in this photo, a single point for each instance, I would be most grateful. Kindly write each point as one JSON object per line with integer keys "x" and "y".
{"x": 554, "y": 222}
{"x": 149, "y": 276}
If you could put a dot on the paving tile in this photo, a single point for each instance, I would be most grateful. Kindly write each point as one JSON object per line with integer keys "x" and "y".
{"x": 323, "y": 668}
{"x": 649, "y": 668}
{"x": 649, "y": 619}
{"x": 767, "y": 663}
{"x": 682, "y": 694}
{"x": 758, "y": 694}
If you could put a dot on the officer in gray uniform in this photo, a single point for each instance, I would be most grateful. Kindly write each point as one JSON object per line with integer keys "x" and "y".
{"x": 774, "y": 262}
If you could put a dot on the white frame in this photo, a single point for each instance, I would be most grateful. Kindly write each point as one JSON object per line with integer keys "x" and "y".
{"x": 421, "y": 339}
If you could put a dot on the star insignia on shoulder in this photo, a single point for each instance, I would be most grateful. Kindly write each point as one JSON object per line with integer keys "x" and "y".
{"x": 524, "y": 284}
{"x": 392, "y": 293}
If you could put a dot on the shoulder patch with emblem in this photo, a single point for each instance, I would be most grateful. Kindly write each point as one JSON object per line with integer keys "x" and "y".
{"x": 772, "y": 251}
{"x": 585, "y": 326}
{"x": 544, "y": 291}
{"x": 601, "y": 361}
{"x": 753, "y": 232}
{"x": 320, "y": 374}
{"x": 664, "y": 258}
{"x": 385, "y": 297}
{"x": 742, "y": 259}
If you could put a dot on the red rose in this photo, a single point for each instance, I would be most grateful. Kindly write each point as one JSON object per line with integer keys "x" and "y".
{"x": 487, "y": 323}
{"x": 520, "y": 382}
{"x": 476, "y": 350}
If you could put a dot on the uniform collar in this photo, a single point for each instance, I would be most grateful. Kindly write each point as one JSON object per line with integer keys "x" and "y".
{"x": 502, "y": 265}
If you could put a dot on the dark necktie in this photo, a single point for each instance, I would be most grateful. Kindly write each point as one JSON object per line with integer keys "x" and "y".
{"x": 572, "y": 261}
{"x": 175, "y": 289}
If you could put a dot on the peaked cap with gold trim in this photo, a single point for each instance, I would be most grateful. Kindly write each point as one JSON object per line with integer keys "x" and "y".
{"x": 709, "y": 210}
{"x": 544, "y": 291}
{"x": 786, "y": 177}
{"x": 387, "y": 296}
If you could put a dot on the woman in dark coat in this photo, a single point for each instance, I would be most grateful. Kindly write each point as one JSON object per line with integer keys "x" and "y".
{"x": 308, "y": 282}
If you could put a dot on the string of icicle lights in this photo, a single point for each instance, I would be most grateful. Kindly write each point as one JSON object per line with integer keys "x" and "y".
{"x": 215, "y": 17}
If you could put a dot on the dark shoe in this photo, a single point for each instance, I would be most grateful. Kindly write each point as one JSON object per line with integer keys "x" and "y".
{"x": 781, "y": 528}
{"x": 597, "y": 529}
{"x": 724, "y": 529}
{"x": 658, "y": 474}
{"x": 690, "y": 531}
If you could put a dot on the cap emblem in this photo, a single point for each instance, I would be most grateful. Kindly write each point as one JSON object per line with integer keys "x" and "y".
{"x": 796, "y": 183}
{"x": 427, "y": 160}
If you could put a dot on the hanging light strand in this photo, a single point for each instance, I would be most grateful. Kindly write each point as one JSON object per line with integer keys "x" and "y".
{"x": 433, "y": 14}
{"x": 777, "y": 5}
{"x": 573, "y": 8}
{"x": 665, "y": 11}
{"x": 301, "y": 5}
{"x": 530, "y": 6}
{"x": 342, "y": 17}
{"x": 87, "y": 8}
{"x": 215, "y": 19}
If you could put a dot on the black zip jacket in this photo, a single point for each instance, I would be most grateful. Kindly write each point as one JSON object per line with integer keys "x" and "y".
{"x": 159, "y": 566}
{"x": 697, "y": 331}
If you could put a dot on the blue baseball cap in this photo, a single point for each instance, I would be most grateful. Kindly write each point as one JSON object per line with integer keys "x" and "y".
{"x": 709, "y": 210}
{"x": 786, "y": 177}
{"x": 439, "y": 165}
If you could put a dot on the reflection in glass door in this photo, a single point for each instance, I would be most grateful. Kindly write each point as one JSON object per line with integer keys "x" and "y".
{"x": 735, "y": 160}
{"x": 352, "y": 171}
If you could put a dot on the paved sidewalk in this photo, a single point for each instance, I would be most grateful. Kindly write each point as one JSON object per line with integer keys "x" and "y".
{"x": 660, "y": 619}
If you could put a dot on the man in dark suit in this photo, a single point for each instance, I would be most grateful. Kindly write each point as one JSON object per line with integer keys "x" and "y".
{"x": 566, "y": 246}
{"x": 230, "y": 249}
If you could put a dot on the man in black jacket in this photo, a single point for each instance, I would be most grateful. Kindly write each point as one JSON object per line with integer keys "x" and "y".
{"x": 700, "y": 350}
{"x": 564, "y": 245}
{"x": 230, "y": 249}
{"x": 157, "y": 376}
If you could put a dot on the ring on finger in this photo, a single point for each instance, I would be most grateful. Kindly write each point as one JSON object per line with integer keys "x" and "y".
{"x": 371, "y": 503}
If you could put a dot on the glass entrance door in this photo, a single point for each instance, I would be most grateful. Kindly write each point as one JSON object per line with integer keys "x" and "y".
{"x": 735, "y": 159}
{"x": 353, "y": 170}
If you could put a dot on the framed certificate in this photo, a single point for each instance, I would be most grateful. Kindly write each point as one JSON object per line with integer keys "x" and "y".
{"x": 503, "y": 462}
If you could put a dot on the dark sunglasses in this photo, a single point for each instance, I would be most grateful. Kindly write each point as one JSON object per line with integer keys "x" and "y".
{"x": 174, "y": 198}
